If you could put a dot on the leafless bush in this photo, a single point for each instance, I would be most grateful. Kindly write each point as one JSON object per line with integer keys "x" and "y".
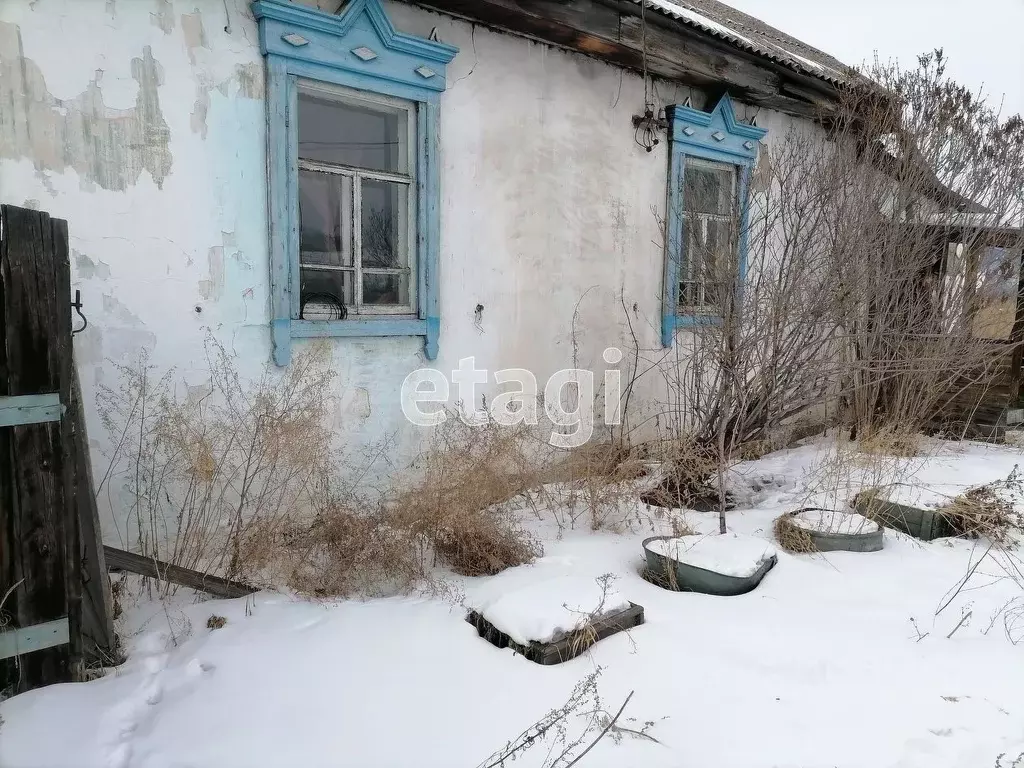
{"x": 882, "y": 271}
{"x": 210, "y": 477}
{"x": 690, "y": 477}
{"x": 241, "y": 480}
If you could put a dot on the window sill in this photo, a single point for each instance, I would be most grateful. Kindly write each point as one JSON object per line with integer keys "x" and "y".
{"x": 672, "y": 323}
{"x": 360, "y": 326}
{"x": 283, "y": 331}
{"x": 690, "y": 319}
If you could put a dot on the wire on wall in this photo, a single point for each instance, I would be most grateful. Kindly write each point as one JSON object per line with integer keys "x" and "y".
{"x": 647, "y": 125}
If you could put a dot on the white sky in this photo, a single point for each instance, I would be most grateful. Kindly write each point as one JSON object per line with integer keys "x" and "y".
{"x": 982, "y": 38}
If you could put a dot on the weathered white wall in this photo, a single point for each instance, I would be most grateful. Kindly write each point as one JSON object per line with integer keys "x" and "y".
{"x": 142, "y": 123}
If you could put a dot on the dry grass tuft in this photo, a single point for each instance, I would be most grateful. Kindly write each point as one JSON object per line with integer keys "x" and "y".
{"x": 483, "y": 543}
{"x": 989, "y": 511}
{"x": 895, "y": 441}
{"x": 462, "y": 505}
{"x": 347, "y": 552}
{"x": 610, "y": 462}
{"x": 216, "y": 622}
{"x": 792, "y": 537}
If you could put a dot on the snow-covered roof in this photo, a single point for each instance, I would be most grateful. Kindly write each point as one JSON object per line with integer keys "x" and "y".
{"x": 749, "y": 33}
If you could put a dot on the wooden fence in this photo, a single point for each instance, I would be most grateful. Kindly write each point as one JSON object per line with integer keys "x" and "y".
{"x": 55, "y": 617}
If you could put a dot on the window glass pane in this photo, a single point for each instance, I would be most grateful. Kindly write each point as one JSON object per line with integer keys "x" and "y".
{"x": 326, "y": 294}
{"x": 998, "y": 282}
{"x": 708, "y": 188}
{"x": 325, "y": 219}
{"x": 358, "y": 134}
{"x": 385, "y": 224}
{"x": 688, "y": 294}
{"x": 718, "y": 246}
{"x": 385, "y": 289}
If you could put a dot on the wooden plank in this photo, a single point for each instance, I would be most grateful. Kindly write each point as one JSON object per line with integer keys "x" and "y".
{"x": 37, "y": 520}
{"x": 69, "y": 517}
{"x": 19, "y": 642}
{"x": 613, "y": 32}
{"x": 99, "y": 641}
{"x": 566, "y": 647}
{"x": 30, "y": 409}
{"x": 119, "y": 560}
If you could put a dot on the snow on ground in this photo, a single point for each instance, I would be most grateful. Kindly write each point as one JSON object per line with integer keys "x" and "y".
{"x": 845, "y": 659}
{"x": 729, "y": 555}
{"x": 544, "y": 607}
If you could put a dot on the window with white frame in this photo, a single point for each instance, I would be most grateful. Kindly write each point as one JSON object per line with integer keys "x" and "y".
{"x": 357, "y": 203}
{"x": 709, "y": 243}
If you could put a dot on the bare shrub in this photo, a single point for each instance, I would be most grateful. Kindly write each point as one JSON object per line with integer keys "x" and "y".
{"x": 691, "y": 469}
{"x": 242, "y": 480}
{"x": 883, "y": 255}
{"x": 210, "y": 477}
{"x": 602, "y": 483}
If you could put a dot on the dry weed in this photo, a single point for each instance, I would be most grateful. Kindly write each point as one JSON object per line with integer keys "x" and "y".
{"x": 346, "y": 552}
{"x": 892, "y": 440}
{"x": 461, "y": 506}
{"x": 602, "y": 484}
{"x": 792, "y": 537}
{"x": 210, "y": 478}
{"x": 989, "y": 511}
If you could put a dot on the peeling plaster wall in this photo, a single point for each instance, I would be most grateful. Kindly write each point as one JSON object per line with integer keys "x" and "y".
{"x": 142, "y": 122}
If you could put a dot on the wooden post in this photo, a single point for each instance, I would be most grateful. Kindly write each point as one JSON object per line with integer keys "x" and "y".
{"x": 99, "y": 642}
{"x": 38, "y": 520}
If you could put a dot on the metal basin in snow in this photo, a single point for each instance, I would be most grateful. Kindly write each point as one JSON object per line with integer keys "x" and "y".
{"x": 671, "y": 574}
{"x": 840, "y": 542}
{"x": 924, "y": 524}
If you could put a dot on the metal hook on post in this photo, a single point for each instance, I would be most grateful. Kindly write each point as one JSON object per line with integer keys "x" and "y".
{"x": 77, "y": 306}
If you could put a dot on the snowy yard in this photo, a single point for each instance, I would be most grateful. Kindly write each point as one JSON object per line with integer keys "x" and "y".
{"x": 834, "y": 660}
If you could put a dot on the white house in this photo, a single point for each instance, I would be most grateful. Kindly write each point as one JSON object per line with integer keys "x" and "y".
{"x": 417, "y": 182}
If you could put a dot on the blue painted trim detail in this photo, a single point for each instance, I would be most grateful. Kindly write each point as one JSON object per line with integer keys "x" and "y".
{"x": 280, "y": 334}
{"x": 363, "y": 326}
{"x": 430, "y": 221}
{"x": 402, "y": 66}
{"x": 433, "y": 334}
{"x": 23, "y": 640}
{"x": 719, "y": 136}
{"x": 332, "y": 38}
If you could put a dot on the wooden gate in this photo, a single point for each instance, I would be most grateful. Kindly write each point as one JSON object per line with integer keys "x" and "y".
{"x": 45, "y": 486}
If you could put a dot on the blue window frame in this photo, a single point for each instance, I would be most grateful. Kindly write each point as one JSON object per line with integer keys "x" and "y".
{"x": 711, "y": 154}
{"x": 352, "y": 142}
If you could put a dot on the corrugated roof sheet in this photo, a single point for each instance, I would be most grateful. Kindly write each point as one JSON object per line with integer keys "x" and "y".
{"x": 751, "y": 34}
